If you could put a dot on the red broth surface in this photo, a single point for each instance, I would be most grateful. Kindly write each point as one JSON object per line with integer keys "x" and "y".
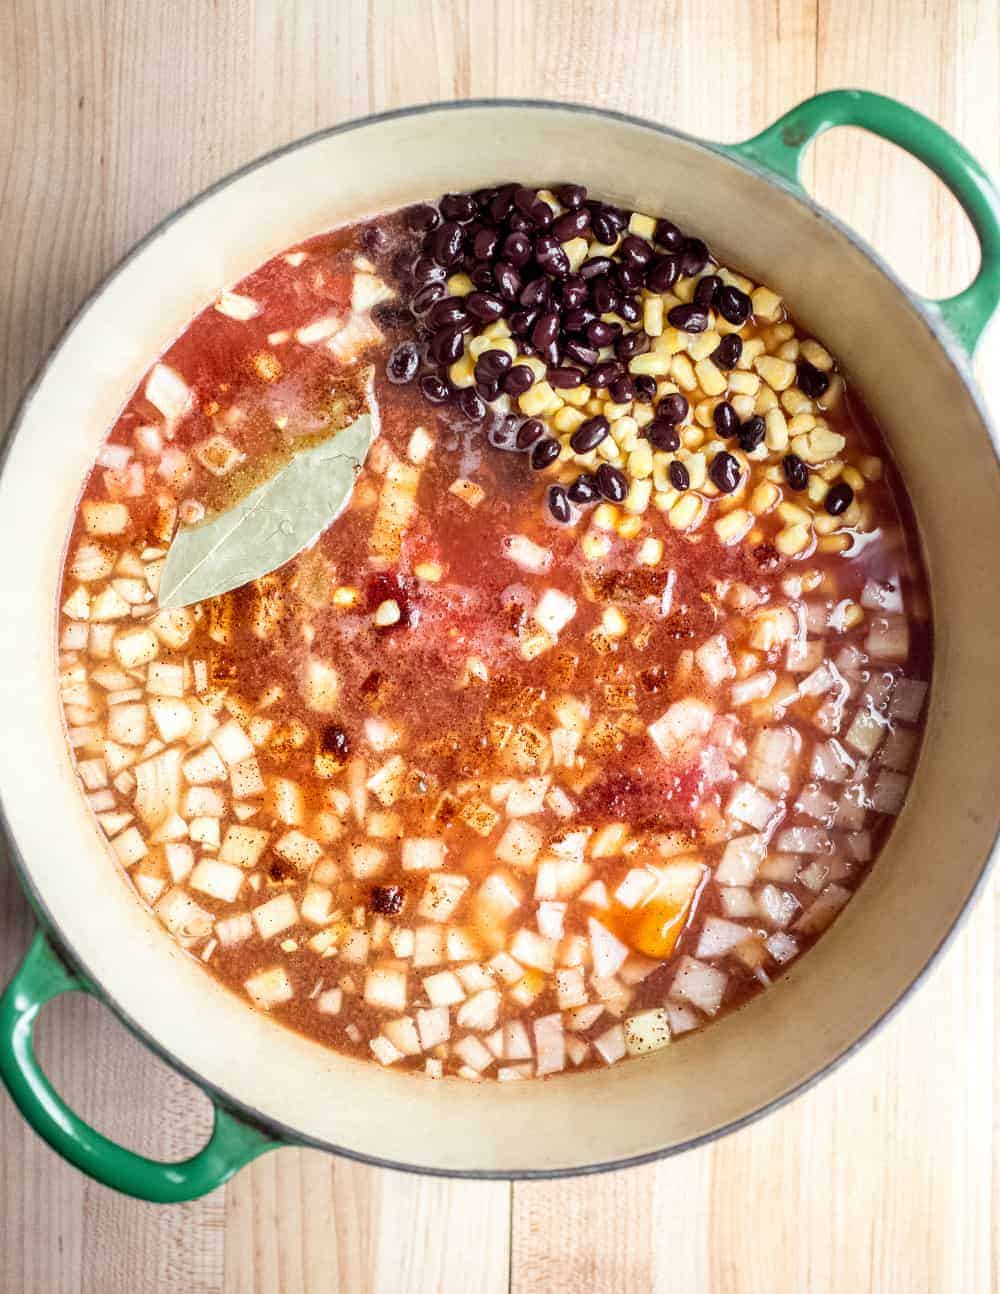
{"x": 463, "y": 788}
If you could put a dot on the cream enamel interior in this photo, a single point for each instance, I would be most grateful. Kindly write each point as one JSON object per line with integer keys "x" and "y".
{"x": 918, "y": 886}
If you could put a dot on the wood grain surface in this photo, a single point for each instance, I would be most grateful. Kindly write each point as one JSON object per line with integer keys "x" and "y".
{"x": 885, "y": 1177}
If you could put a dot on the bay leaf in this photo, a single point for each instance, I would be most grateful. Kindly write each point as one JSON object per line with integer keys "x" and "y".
{"x": 270, "y": 525}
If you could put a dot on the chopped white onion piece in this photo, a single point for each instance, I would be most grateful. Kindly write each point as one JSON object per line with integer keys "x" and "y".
{"x": 703, "y": 986}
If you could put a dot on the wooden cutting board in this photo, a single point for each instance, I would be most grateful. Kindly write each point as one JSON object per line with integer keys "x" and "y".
{"x": 884, "y": 1178}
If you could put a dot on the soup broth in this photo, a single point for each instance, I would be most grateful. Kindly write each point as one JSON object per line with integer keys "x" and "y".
{"x": 591, "y": 711}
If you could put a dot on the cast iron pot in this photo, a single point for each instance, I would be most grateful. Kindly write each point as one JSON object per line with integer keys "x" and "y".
{"x": 271, "y": 1087}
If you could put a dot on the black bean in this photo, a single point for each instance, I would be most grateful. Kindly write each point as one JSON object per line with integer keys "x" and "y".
{"x": 689, "y": 318}
{"x": 694, "y": 256}
{"x": 545, "y": 453}
{"x": 507, "y": 279}
{"x": 485, "y": 243}
{"x": 751, "y": 433}
{"x": 447, "y": 243}
{"x": 600, "y": 333}
{"x": 629, "y": 310}
{"x": 589, "y": 434}
{"x": 525, "y": 199}
{"x": 483, "y": 198}
{"x": 668, "y": 235}
{"x": 374, "y": 239}
{"x": 522, "y": 321}
{"x": 796, "y": 472}
{"x": 471, "y": 404}
{"x": 615, "y": 215}
{"x": 595, "y": 267}
{"x": 517, "y": 249}
{"x": 425, "y": 271}
{"x": 811, "y": 380}
{"x": 458, "y": 206}
{"x": 482, "y": 275}
{"x": 541, "y": 215}
{"x": 733, "y": 305}
{"x": 604, "y": 295}
{"x": 663, "y": 274}
{"x": 631, "y": 277}
{"x": 519, "y": 223}
{"x": 561, "y": 378}
{"x": 535, "y": 293}
{"x": 680, "y": 477}
{"x": 423, "y": 217}
{"x": 546, "y": 330}
{"x": 488, "y": 388}
{"x": 559, "y": 505}
{"x": 502, "y": 433}
{"x": 334, "y": 741}
{"x": 622, "y": 390}
{"x": 484, "y": 306}
{"x": 448, "y": 311}
{"x": 662, "y": 434}
{"x": 501, "y": 204}
{"x": 727, "y": 354}
{"x": 571, "y": 224}
{"x": 571, "y": 195}
{"x": 403, "y": 363}
{"x": 492, "y": 365}
{"x": 574, "y": 292}
{"x": 577, "y": 319}
{"x": 584, "y": 490}
{"x": 427, "y": 295}
{"x": 707, "y": 291}
{"x": 518, "y": 379}
{"x": 390, "y": 315}
{"x": 645, "y": 388}
{"x": 550, "y": 255}
{"x": 604, "y": 374}
{"x": 726, "y": 422}
{"x": 611, "y": 482}
{"x": 839, "y": 499}
{"x": 632, "y": 344}
{"x": 603, "y": 228}
{"x": 434, "y": 389}
{"x": 635, "y": 251}
{"x": 446, "y": 346}
{"x": 586, "y": 355}
{"x": 529, "y": 433}
{"x": 387, "y": 900}
{"x": 673, "y": 407}
{"x": 725, "y": 472}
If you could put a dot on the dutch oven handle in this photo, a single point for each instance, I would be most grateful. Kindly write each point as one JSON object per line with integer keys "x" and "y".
{"x": 42, "y": 976}
{"x": 781, "y": 147}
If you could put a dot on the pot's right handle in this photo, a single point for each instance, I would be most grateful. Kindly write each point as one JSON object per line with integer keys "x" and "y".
{"x": 42, "y": 976}
{"x": 782, "y": 145}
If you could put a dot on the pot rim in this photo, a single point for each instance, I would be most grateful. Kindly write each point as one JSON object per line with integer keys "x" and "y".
{"x": 925, "y": 314}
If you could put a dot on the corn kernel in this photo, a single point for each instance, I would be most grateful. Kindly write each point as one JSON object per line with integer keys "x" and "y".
{"x": 602, "y": 249}
{"x": 613, "y": 411}
{"x": 387, "y": 613}
{"x": 779, "y": 374}
{"x": 631, "y": 527}
{"x": 710, "y": 379}
{"x": 781, "y": 332}
{"x": 577, "y": 250}
{"x": 687, "y": 511}
{"x": 733, "y": 526}
{"x": 461, "y": 372}
{"x": 684, "y": 289}
{"x": 792, "y": 540}
{"x": 613, "y": 622}
{"x": 576, "y": 395}
{"x": 745, "y": 406}
{"x": 642, "y": 226}
{"x": 751, "y": 350}
{"x": 788, "y": 350}
{"x": 652, "y": 316}
{"x": 871, "y": 468}
{"x": 651, "y": 364}
{"x": 568, "y": 419}
{"x": 744, "y": 383}
{"x": 834, "y": 544}
{"x": 764, "y": 497}
{"x": 460, "y": 285}
{"x": 818, "y": 445}
{"x": 767, "y": 305}
{"x": 636, "y": 502}
{"x": 595, "y": 547}
{"x": 536, "y": 399}
{"x": 640, "y": 461}
{"x": 794, "y": 402}
{"x": 852, "y": 477}
{"x": 814, "y": 353}
{"x": 479, "y": 346}
{"x": 497, "y": 331}
{"x": 833, "y": 394}
{"x": 697, "y": 466}
{"x": 817, "y": 489}
{"x": 702, "y": 345}
{"x": 468, "y": 491}
{"x": 650, "y": 552}
{"x": 800, "y": 423}
{"x": 624, "y": 429}
{"x": 682, "y": 371}
{"x": 671, "y": 340}
{"x": 792, "y": 515}
{"x": 765, "y": 400}
{"x": 851, "y": 615}
{"x": 609, "y": 451}
{"x": 643, "y": 414}
{"x": 606, "y": 516}
{"x": 345, "y": 596}
{"x": 430, "y": 572}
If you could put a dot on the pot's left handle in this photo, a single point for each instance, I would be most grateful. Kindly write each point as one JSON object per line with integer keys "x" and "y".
{"x": 42, "y": 976}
